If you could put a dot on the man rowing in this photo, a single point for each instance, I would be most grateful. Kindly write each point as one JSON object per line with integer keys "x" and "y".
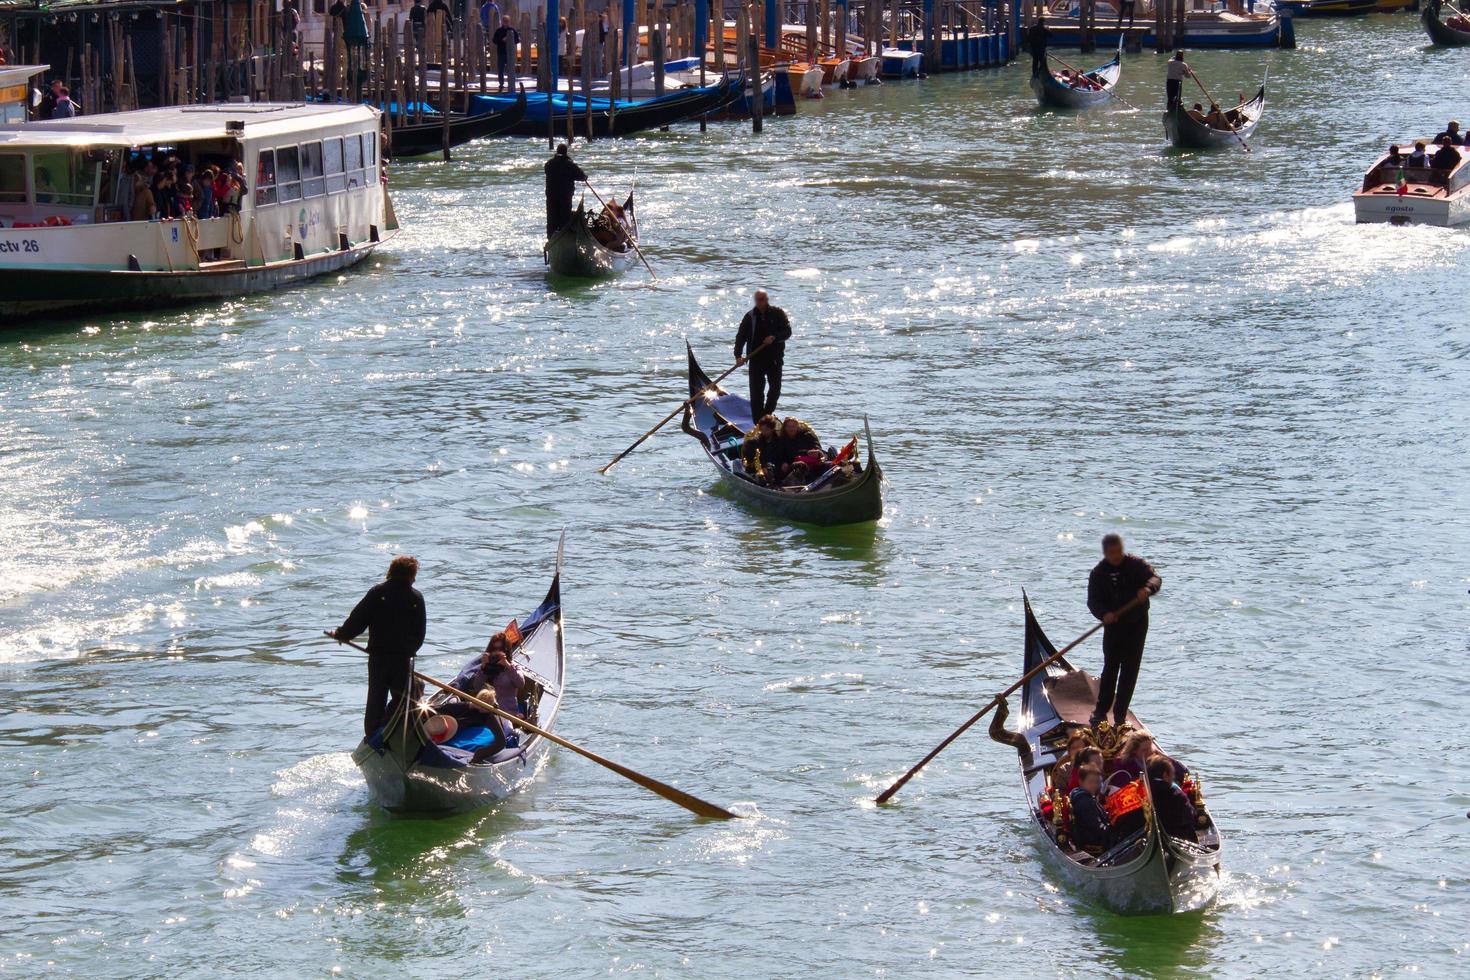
{"x": 763, "y": 322}
{"x": 1037, "y": 36}
{"x": 392, "y": 614}
{"x": 561, "y": 183}
{"x": 1174, "y": 78}
{"x": 1117, "y": 580}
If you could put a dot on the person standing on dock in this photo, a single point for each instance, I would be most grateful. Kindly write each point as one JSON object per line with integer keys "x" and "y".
{"x": 1126, "y": 7}
{"x": 418, "y": 19}
{"x": 1174, "y": 78}
{"x": 561, "y": 183}
{"x": 1037, "y": 38}
{"x": 393, "y": 615}
{"x": 763, "y": 322}
{"x": 1116, "y": 581}
{"x": 506, "y": 39}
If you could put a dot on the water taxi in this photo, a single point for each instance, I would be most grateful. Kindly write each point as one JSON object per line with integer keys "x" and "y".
{"x": 311, "y": 200}
{"x": 1395, "y": 192}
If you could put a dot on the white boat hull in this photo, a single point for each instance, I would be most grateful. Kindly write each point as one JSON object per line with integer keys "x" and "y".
{"x": 1379, "y": 207}
{"x": 897, "y": 63}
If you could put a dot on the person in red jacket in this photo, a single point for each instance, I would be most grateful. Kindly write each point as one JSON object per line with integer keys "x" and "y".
{"x": 1116, "y": 581}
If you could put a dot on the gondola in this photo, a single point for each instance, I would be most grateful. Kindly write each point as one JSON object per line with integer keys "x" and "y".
{"x": 1440, "y": 32}
{"x": 576, "y": 250}
{"x": 720, "y": 419}
{"x": 407, "y": 772}
{"x": 545, "y": 114}
{"x": 1326, "y": 8}
{"x": 1051, "y": 90}
{"x": 422, "y": 139}
{"x": 1186, "y": 131}
{"x": 1148, "y": 872}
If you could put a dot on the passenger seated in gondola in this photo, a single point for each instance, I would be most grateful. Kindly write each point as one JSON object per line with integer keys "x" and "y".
{"x": 610, "y": 227}
{"x": 1061, "y": 771}
{"x": 1091, "y": 830}
{"x": 1197, "y": 113}
{"x": 1089, "y": 756}
{"x": 797, "y": 457}
{"x": 1215, "y": 119}
{"x": 1133, "y": 757}
{"x": 759, "y": 450}
{"x": 496, "y": 679}
{"x": 1176, "y": 815}
{"x": 1446, "y": 157}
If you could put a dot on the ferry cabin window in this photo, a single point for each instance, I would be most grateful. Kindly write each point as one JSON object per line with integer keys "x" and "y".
{"x": 64, "y": 177}
{"x": 288, "y": 173}
{"x": 265, "y": 178}
{"x": 13, "y": 178}
{"x": 369, "y": 147}
{"x": 354, "y": 162}
{"x": 311, "y": 170}
{"x": 332, "y": 164}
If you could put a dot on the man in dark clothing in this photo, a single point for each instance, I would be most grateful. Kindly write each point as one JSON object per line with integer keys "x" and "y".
{"x": 506, "y": 38}
{"x": 392, "y": 613}
{"x": 1117, "y": 580}
{"x": 46, "y": 108}
{"x": 561, "y": 183}
{"x": 1175, "y": 813}
{"x": 418, "y": 16}
{"x": 1452, "y": 133}
{"x": 1090, "y": 829}
{"x": 1037, "y": 37}
{"x": 762, "y": 322}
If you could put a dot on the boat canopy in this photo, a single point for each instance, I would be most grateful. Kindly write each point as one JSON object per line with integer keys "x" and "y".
{"x": 182, "y": 124}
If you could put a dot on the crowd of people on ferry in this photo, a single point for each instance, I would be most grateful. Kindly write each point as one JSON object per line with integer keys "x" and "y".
{"x": 1106, "y": 796}
{"x": 150, "y": 190}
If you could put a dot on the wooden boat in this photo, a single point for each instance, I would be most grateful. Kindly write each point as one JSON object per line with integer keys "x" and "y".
{"x": 1052, "y": 90}
{"x": 407, "y": 772}
{"x": 1439, "y": 32}
{"x": 315, "y": 205}
{"x": 720, "y": 419}
{"x": 545, "y": 113}
{"x": 897, "y": 63}
{"x": 1326, "y": 8}
{"x": 422, "y": 139}
{"x": 806, "y": 79}
{"x": 834, "y": 69}
{"x": 1185, "y": 130}
{"x": 1403, "y": 195}
{"x": 864, "y": 68}
{"x": 578, "y": 249}
{"x": 1149, "y": 872}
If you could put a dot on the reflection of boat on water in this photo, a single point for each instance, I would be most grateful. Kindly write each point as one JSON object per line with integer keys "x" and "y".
{"x": 1185, "y": 130}
{"x": 1149, "y": 871}
{"x": 408, "y": 772}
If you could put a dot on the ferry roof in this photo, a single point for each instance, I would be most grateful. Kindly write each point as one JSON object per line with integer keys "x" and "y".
{"x": 179, "y": 124}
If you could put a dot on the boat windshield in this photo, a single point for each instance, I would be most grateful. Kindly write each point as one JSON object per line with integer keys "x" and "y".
{"x": 13, "y": 177}
{"x": 64, "y": 176}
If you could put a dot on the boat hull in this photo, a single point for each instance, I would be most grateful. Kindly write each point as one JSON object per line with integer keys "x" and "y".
{"x": 1186, "y": 132}
{"x": 544, "y": 116}
{"x": 1439, "y": 32}
{"x": 897, "y": 63}
{"x": 425, "y": 790}
{"x": 864, "y": 69}
{"x": 1052, "y": 91}
{"x": 574, "y": 252}
{"x": 1388, "y": 207}
{"x": 427, "y": 138}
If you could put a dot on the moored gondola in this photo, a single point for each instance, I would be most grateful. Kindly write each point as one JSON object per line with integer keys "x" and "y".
{"x": 1071, "y": 91}
{"x": 545, "y": 113}
{"x": 720, "y": 419}
{"x": 422, "y": 139}
{"x": 1441, "y": 32}
{"x": 594, "y": 244}
{"x": 1185, "y": 130}
{"x": 1149, "y": 871}
{"x": 408, "y": 772}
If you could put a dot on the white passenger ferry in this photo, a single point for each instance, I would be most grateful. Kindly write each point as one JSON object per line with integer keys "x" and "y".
{"x": 313, "y": 201}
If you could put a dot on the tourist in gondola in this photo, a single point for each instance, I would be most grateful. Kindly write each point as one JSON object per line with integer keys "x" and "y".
{"x": 392, "y": 614}
{"x": 561, "y": 184}
{"x": 799, "y": 452}
{"x": 1037, "y": 37}
{"x": 1116, "y": 581}
{"x": 494, "y": 678}
{"x": 1061, "y": 771}
{"x": 1132, "y": 758}
{"x": 763, "y": 322}
{"x": 1175, "y": 813}
{"x": 1091, "y": 830}
{"x": 1174, "y": 77}
{"x": 759, "y": 449}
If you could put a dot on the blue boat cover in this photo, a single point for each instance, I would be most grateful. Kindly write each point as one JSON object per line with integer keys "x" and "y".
{"x": 537, "y": 102}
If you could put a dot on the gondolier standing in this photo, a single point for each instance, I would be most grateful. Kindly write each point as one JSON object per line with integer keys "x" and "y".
{"x": 561, "y": 183}
{"x": 1116, "y": 581}
{"x": 762, "y": 322}
{"x": 1174, "y": 78}
{"x": 1037, "y": 37}
{"x": 392, "y": 613}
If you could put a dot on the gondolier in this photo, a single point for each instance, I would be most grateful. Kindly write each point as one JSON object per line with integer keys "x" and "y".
{"x": 1037, "y": 37}
{"x": 1117, "y": 580}
{"x": 392, "y": 614}
{"x": 763, "y": 322}
{"x": 561, "y": 183}
{"x": 1174, "y": 78}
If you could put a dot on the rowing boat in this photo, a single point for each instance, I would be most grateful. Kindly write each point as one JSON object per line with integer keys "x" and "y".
{"x": 576, "y": 250}
{"x": 547, "y": 113}
{"x": 1051, "y": 90}
{"x": 422, "y": 139}
{"x": 720, "y": 419}
{"x": 1440, "y": 32}
{"x": 1186, "y": 131}
{"x": 1149, "y": 871}
{"x": 407, "y": 772}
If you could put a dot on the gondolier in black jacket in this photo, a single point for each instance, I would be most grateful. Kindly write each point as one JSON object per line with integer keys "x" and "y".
{"x": 1116, "y": 581}
{"x": 1037, "y": 36}
{"x": 392, "y": 613}
{"x": 561, "y": 183}
{"x": 763, "y": 321}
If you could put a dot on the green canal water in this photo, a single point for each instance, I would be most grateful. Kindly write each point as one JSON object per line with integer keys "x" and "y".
{"x": 1057, "y": 327}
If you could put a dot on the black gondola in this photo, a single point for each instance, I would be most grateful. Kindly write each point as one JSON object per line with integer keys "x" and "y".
{"x": 719, "y": 420}
{"x": 624, "y": 120}
{"x": 577, "y": 249}
{"x": 1440, "y": 32}
{"x": 423, "y": 139}
{"x": 1184, "y": 130}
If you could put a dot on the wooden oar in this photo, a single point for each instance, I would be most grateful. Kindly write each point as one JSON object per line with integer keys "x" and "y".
{"x": 1212, "y": 101}
{"x": 689, "y": 802}
{"x": 683, "y": 405}
{"x": 631, "y": 240}
{"x": 887, "y": 794}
